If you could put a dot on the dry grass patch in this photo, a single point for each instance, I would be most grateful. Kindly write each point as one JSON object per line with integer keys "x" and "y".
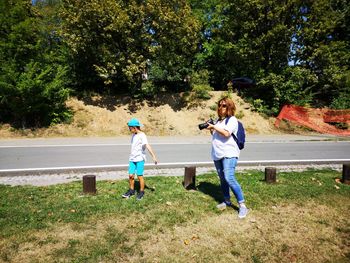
{"x": 287, "y": 233}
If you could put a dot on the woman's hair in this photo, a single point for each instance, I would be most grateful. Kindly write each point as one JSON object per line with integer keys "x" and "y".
{"x": 230, "y": 107}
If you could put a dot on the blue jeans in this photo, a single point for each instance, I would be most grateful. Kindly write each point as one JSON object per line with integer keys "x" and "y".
{"x": 226, "y": 172}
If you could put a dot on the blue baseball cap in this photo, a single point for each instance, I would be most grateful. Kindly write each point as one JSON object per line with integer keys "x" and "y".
{"x": 134, "y": 123}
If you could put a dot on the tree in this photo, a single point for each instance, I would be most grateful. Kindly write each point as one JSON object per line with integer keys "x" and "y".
{"x": 247, "y": 38}
{"x": 273, "y": 42}
{"x": 115, "y": 41}
{"x": 32, "y": 79}
{"x": 323, "y": 38}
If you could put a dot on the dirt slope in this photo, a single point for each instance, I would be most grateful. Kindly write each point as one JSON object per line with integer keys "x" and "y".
{"x": 167, "y": 114}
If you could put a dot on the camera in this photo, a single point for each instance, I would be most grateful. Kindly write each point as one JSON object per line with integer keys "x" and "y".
{"x": 205, "y": 124}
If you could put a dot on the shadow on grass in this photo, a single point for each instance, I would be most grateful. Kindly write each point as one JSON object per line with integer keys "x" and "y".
{"x": 214, "y": 191}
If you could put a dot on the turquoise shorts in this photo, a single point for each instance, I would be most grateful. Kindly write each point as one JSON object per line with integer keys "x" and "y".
{"x": 137, "y": 167}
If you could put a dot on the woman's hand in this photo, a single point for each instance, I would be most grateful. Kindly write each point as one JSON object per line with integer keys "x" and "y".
{"x": 210, "y": 127}
{"x": 223, "y": 132}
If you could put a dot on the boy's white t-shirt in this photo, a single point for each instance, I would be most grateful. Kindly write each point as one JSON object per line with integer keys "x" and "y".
{"x": 225, "y": 146}
{"x": 138, "y": 147}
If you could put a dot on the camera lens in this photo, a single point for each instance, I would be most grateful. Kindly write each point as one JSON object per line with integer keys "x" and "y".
{"x": 203, "y": 126}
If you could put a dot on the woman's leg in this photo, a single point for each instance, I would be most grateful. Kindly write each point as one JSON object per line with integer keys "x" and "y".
{"x": 229, "y": 166}
{"x": 223, "y": 183}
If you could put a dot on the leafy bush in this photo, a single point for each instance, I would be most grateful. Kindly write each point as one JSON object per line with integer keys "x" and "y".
{"x": 292, "y": 86}
{"x": 35, "y": 97}
{"x": 342, "y": 100}
{"x": 258, "y": 105}
{"x": 199, "y": 82}
{"x": 148, "y": 89}
{"x": 201, "y": 91}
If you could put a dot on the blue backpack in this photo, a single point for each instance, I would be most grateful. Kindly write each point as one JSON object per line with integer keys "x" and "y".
{"x": 240, "y": 139}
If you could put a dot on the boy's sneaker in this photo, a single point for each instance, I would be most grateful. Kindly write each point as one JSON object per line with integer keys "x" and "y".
{"x": 243, "y": 211}
{"x": 223, "y": 205}
{"x": 129, "y": 193}
{"x": 140, "y": 195}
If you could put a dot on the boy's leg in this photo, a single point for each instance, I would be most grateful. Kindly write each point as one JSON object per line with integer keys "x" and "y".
{"x": 131, "y": 191}
{"x": 131, "y": 182}
{"x": 142, "y": 188}
{"x": 139, "y": 170}
{"x": 140, "y": 166}
{"x": 132, "y": 170}
{"x": 142, "y": 183}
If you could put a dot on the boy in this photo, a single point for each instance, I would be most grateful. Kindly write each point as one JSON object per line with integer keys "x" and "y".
{"x": 137, "y": 158}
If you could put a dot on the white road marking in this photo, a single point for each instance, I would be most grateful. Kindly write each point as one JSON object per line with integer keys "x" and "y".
{"x": 178, "y": 164}
{"x": 156, "y": 143}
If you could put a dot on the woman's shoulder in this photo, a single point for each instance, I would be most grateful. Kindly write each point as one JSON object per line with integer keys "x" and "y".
{"x": 230, "y": 119}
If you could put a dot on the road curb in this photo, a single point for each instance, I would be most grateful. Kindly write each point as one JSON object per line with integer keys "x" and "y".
{"x": 106, "y": 168}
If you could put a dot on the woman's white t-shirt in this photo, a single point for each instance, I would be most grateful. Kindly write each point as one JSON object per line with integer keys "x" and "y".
{"x": 138, "y": 147}
{"x": 225, "y": 146}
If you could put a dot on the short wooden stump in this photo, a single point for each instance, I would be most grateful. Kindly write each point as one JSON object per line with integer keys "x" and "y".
{"x": 190, "y": 178}
{"x": 270, "y": 175}
{"x": 346, "y": 173}
{"x": 89, "y": 184}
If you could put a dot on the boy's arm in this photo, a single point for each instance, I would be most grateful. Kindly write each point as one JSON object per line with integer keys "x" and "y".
{"x": 149, "y": 148}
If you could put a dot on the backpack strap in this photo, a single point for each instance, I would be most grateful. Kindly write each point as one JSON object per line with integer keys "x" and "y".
{"x": 233, "y": 134}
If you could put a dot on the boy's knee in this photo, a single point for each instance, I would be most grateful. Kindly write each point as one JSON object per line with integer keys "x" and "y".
{"x": 131, "y": 176}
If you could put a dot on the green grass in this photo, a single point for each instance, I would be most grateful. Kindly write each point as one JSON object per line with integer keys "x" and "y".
{"x": 107, "y": 226}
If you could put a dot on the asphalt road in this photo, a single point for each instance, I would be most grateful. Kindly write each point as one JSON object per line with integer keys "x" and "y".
{"x": 79, "y": 153}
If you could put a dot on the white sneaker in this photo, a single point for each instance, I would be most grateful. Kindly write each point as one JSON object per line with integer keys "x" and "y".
{"x": 243, "y": 211}
{"x": 223, "y": 205}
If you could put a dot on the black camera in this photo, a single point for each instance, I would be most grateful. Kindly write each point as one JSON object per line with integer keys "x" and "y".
{"x": 205, "y": 124}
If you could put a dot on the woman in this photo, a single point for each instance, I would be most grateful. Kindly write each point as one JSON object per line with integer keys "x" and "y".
{"x": 225, "y": 153}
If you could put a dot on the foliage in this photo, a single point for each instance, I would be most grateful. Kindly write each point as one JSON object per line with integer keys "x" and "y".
{"x": 273, "y": 39}
{"x": 201, "y": 91}
{"x": 199, "y": 82}
{"x": 293, "y": 86}
{"x": 117, "y": 41}
{"x": 323, "y": 45}
{"x": 32, "y": 77}
{"x": 36, "y": 96}
{"x": 258, "y": 45}
{"x": 341, "y": 100}
{"x": 295, "y": 51}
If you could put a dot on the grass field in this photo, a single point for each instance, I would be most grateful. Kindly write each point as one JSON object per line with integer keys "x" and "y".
{"x": 304, "y": 217}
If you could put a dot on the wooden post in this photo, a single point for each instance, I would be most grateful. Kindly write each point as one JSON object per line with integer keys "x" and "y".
{"x": 89, "y": 184}
{"x": 190, "y": 177}
{"x": 346, "y": 173}
{"x": 270, "y": 175}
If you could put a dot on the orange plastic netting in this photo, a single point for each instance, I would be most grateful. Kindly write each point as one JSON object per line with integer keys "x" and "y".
{"x": 316, "y": 119}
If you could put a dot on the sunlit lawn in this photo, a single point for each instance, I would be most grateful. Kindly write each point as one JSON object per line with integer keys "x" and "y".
{"x": 304, "y": 217}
